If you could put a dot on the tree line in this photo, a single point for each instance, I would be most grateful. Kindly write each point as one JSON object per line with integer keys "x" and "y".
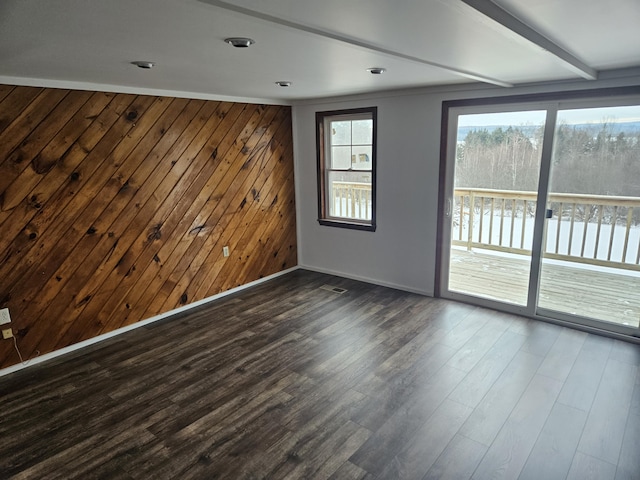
{"x": 587, "y": 159}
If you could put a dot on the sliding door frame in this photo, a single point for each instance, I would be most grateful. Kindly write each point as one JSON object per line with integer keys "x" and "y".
{"x": 551, "y": 102}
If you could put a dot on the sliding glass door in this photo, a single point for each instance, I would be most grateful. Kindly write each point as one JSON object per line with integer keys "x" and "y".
{"x": 497, "y": 165}
{"x": 576, "y": 258}
{"x": 590, "y": 263}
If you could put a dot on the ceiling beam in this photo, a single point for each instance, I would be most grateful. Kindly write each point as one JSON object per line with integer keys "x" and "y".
{"x": 352, "y": 41}
{"x": 507, "y": 20}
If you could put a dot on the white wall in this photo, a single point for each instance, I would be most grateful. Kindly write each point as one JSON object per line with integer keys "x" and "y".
{"x": 402, "y": 251}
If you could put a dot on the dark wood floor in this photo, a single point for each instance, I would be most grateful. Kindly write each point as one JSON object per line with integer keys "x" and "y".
{"x": 288, "y": 380}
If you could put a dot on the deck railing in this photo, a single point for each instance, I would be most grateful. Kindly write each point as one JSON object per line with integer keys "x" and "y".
{"x": 593, "y": 229}
{"x": 351, "y": 200}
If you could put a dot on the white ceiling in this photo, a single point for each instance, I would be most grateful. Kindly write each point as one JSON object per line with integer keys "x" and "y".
{"x": 323, "y": 46}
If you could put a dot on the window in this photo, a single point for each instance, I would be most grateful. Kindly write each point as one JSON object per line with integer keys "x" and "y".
{"x": 347, "y": 168}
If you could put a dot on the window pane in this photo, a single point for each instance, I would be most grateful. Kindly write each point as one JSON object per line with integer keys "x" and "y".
{"x": 349, "y": 195}
{"x": 593, "y": 236}
{"x": 341, "y": 158}
{"x": 361, "y": 158}
{"x": 362, "y": 132}
{"x": 341, "y": 133}
{"x": 497, "y": 166}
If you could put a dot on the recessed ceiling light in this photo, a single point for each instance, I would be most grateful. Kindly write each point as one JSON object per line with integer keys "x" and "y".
{"x": 376, "y": 70}
{"x": 143, "y": 64}
{"x": 284, "y": 84}
{"x": 240, "y": 42}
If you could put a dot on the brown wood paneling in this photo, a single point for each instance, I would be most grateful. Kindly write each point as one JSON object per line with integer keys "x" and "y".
{"x": 115, "y": 207}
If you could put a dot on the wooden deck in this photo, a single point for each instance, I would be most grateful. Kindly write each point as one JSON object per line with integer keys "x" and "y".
{"x": 585, "y": 292}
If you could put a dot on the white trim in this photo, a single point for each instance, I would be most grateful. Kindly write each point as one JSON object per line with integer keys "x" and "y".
{"x": 142, "y": 323}
{"x": 540, "y": 221}
{"x": 373, "y": 281}
{"x": 109, "y": 88}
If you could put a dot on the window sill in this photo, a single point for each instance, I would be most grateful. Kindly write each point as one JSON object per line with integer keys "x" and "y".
{"x": 346, "y": 224}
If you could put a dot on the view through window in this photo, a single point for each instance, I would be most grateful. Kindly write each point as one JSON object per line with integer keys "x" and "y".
{"x": 589, "y": 227}
{"x": 346, "y": 168}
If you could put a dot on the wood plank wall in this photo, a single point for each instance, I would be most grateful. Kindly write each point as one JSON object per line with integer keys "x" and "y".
{"x": 115, "y": 208}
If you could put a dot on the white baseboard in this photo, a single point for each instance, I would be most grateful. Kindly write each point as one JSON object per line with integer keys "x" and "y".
{"x": 373, "y": 281}
{"x": 105, "y": 336}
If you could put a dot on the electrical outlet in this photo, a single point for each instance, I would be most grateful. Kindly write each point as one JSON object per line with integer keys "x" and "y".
{"x": 4, "y": 316}
{"x": 225, "y": 251}
{"x": 7, "y": 333}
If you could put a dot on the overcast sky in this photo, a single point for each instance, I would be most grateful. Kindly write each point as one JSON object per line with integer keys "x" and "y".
{"x": 576, "y": 116}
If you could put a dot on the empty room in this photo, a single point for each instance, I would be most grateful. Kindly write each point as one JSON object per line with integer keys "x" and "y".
{"x": 273, "y": 239}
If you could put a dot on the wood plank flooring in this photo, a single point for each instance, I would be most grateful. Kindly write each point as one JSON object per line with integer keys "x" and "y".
{"x": 287, "y": 380}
